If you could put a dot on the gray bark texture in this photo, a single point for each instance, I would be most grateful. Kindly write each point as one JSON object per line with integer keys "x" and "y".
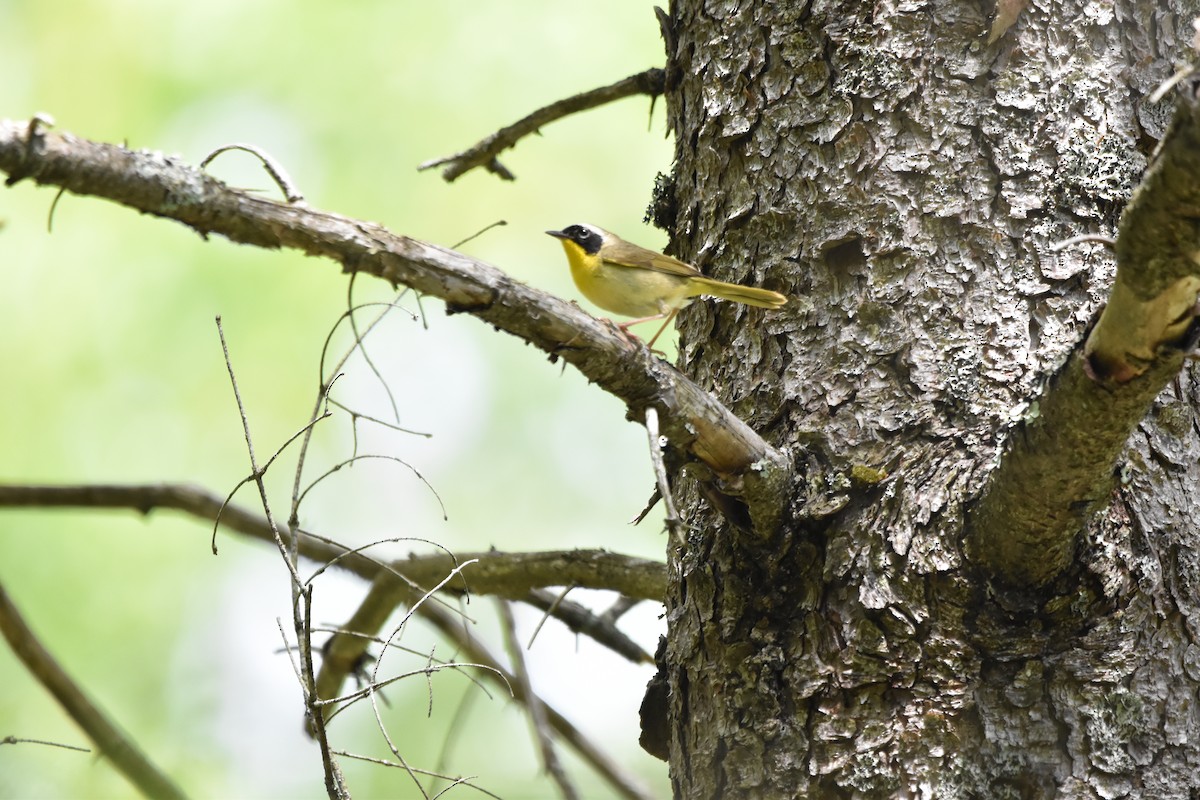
{"x": 904, "y": 182}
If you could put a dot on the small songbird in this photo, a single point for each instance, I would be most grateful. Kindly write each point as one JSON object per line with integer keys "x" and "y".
{"x": 635, "y": 282}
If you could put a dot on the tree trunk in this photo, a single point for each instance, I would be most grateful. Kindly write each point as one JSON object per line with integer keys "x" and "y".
{"x": 904, "y": 182}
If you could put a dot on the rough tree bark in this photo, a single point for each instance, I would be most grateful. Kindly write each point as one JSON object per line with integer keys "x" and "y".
{"x": 906, "y": 181}
{"x": 965, "y": 594}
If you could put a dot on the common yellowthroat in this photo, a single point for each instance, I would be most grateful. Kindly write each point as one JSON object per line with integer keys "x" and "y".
{"x": 626, "y": 279}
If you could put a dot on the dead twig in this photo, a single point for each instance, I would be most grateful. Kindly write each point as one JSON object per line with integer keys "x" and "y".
{"x": 484, "y": 153}
{"x": 533, "y": 705}
{"x": 301, "y": 596}
{"x": 273, "y": 168}
{"x": 111, "y": 740}
{"x": 624, "y": 785}
{"x": 511, "y": 575}
{"x": 672, "y": 521}
{"x": 17, "y": 740}
{"x": 582, "y": 620}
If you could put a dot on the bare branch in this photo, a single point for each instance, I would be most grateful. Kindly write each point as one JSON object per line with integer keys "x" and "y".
{"x": 110, "y": 740}
{"x": 512, "y": 575}
{"x": 1059, "y": 465}
{"x": 256, "y": 474}
{"x": 451, "y": 626}
{"x": 550, "y": 609}
{"x": 484, "y": 153}
{"x": 509, "y": 575}
{"x": 580, "y": 619}
{"x": 384, "y": 763}
{"x": 273, "y": 168}
{"x": 533, "y": 704}
{"x": 345, "y": 651}
{"x": 474, "y": 650}
{"x": 301, "y": 611}
{"x": 396, "y": 586}
{"x": 744, "y": 465}
{"x": 16, "y": 740}
{"x": 672, "y": 521}
{"x": 397, "y": 631}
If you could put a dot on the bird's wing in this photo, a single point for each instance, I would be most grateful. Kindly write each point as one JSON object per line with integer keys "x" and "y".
{"x": 629, "y": 255}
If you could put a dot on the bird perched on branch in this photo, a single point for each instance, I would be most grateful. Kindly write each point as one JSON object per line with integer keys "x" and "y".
{"x": 635, "y": 282}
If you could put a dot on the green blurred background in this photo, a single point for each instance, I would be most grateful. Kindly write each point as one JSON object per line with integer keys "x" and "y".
{"x": 114, "y": 374}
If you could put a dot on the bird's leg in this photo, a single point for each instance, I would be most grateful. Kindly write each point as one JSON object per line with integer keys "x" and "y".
{"x": 669, "y": 316}
{"x": 624, "y": 326}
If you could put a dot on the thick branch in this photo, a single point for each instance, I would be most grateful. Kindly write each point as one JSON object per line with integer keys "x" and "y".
{"x": 109, "y": 739}
{"x": 692, "y": 419}
{"x": 1153, "y": 299}
{"x": 484, "y": 153}
{"x": 1059, "y": 465}
{"x": 1057, "y": 471}
{"x": 510, "y": 575}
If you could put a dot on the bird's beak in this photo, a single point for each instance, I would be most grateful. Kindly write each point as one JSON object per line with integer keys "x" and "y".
{"x": 558, "y": 234}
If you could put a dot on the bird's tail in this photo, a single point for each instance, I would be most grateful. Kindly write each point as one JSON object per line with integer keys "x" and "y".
{"x": 750, "y": 295}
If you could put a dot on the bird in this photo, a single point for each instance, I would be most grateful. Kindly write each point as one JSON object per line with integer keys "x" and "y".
{"x": 633, "y": 281}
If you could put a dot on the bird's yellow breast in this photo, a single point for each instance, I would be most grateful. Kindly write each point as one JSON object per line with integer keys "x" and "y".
{"x": 629, "y": 291}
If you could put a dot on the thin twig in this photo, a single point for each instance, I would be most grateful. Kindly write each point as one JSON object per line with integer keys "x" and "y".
{"x": 252, "y": 477}
{"x": 624, "y": 785}
{"x": 111, "y": 741}
{"x": 672, "y": 521}
{"x": 456, "y": 720}
{"x": 582, "y": 620}
{"x": 484, "y": 153}
{"x": 385, "y": 763}
{"x": 317, "y": 713}
{"x": 379, "y": 664}
{"x": 383, "y": 566}
{"x": 301, "y": 615}
{"x": 395, "y": 646}
{"x": 323, "y": 399}
{"x": 362, "y": 345}
{"x": 335, "y": 783}
{"x": 273, "y": 168}
{"x": 373, "y": 687}
{"x": 256, "y": 474}
{"x": 373, "y": 457}
{"x": 364, "y": 688}
{"x": 16, "y": 740}
{"x": 651, "y": 502}
{"x": 497, "y": 224}
{"x": 357, "y": 415}
{"x": 533, "y": 704}
{"x": 53, "y": 206}
{"x": 548, "y": 612}
{"x": 287, "y": 648}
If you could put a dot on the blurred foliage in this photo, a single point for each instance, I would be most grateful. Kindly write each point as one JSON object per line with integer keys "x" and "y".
{"x": 114, "y": 374}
